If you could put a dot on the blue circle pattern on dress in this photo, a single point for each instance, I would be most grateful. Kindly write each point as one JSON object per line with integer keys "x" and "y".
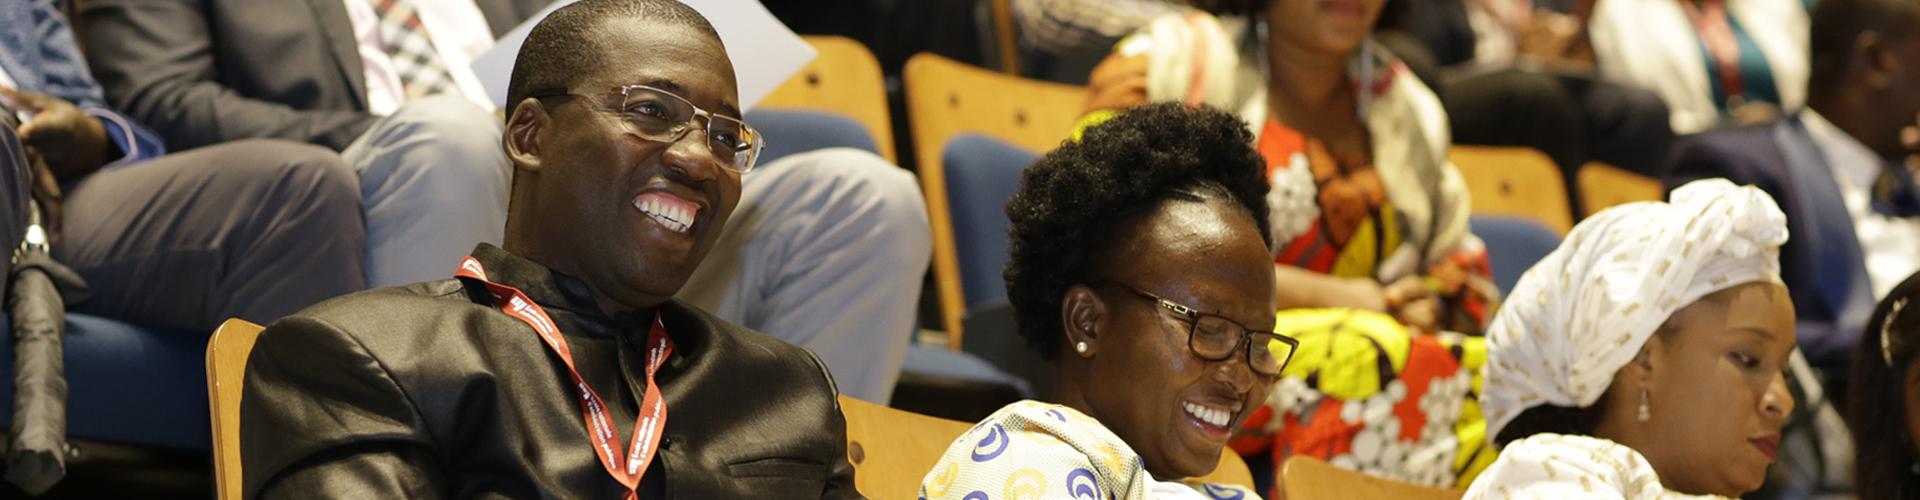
{"x": 1222, "y": 493}
{"x": 1055, "y": 413}
{"x": 1082, "y": 486}
{"x": 995, "y": 435}
{"x": 977, "y": 495}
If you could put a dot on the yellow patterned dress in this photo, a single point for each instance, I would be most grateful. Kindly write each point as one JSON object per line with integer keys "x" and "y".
{"x": 1366, "y": 394}
{"x": 1033, "y": 450}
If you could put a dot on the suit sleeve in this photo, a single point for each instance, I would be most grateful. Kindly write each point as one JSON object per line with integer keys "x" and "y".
{"x": 64, "y": 75}
{"x": 839, "y": 470}
{"x": 156, "y": 61}
{"x": 1706, "y": 157}
{"x": 840, "y": 475}
{"x": 321, "y": 418}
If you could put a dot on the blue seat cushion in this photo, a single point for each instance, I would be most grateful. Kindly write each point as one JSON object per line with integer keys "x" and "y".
{"x": 982, "y": 173}
{"x": 1513, "y": 245}
{"x": 127, "y": 384}
{"x": 791, "y": 131}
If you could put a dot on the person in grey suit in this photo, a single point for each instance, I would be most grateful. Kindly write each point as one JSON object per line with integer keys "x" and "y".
{"x": 339, "y": 74}
{"x": 827, "y": 250}
{"x": 178, "y": 241}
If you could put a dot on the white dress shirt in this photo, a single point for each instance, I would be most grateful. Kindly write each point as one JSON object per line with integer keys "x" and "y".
{"x": 459, "y": 33}
{"x": 1891, "y": 245}
{"x": 1653, "y": 44}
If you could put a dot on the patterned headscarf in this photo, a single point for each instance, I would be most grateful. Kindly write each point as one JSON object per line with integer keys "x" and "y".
{"x": 1584, "y": 311}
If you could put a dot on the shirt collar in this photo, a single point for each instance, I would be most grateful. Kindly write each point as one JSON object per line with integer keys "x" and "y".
{"x": 547, "y": 287}
{"x": 571, "y": 302}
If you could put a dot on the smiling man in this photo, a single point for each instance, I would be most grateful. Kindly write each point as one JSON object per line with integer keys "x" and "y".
{"x": 560, "y": 366}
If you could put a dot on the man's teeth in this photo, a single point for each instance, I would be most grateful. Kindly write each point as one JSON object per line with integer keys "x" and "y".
{"x": 678, "y": 219}
{"x": 1215, "y": 416}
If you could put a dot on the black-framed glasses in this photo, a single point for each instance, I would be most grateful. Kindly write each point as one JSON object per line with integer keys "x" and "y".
{"x": 662, "y": 116}
{"x": 1213, "y": 337}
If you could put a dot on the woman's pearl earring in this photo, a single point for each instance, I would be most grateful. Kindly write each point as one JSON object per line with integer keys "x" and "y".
{"x": 1080, "y": 347}
{"x": 1645, "y": 413}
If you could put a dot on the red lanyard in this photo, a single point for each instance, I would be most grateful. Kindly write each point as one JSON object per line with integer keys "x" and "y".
{"x": 1716, "y": 31}
{"x": 652, "y": 418}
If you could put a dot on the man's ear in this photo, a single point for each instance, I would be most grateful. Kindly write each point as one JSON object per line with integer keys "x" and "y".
{"x": 1910, "y": 382}
{"x": 525, "y": 122}
{"x": 1875, "y": 61}
{"x": 1083, "y": 316}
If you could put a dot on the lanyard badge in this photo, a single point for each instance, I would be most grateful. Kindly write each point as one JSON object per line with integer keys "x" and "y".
{"x": 652, "y": 419}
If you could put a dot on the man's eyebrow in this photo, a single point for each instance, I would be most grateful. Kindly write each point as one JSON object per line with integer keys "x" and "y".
{"x": 1755, "y": 331}
{"x": 726, "y": 108}
{"x": 664, "y": 84}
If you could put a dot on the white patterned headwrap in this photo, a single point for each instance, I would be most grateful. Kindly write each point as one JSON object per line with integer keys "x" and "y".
{"x": 1584, "y": 311}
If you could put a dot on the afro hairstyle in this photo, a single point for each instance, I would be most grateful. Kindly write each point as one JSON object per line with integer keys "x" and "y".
{"x": 1073, "y": 202}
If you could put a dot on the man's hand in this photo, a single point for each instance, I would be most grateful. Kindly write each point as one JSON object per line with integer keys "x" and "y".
{"x": 71, "y": 142}
{"x": 1558, "y": 41}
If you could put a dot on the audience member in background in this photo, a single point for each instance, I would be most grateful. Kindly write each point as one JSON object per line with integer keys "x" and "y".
{"x": 256, "y": 229}
{"x": 518, "y": 378}
{"x": 1836, "y": 169}
{"x": 388, "y": 84}
{"x": 1061, "y": 40}
{"x": 1509, "y": 79}
{"x": 1714, "y": 62}
{"x": 1140, "y": 267}
{"x": 1365, "y": 211}
{"x": 1648, "y": 358}
{"x": 1886, "y": 398}
{"x": 828, "y": 249}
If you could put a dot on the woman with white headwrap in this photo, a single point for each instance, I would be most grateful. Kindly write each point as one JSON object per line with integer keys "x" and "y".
{"x": 1644, "y": 357}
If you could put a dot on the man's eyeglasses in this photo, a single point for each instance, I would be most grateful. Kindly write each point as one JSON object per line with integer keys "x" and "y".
{"x": 1213, "y": 337}
{"x": 659, "y": 115}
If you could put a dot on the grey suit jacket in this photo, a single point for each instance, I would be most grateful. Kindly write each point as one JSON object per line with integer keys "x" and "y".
{"x": 203, "y": 72}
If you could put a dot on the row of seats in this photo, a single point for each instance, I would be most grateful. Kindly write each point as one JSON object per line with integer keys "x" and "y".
{"x": 891, "y": 450}
{"x": 974, "y": 131}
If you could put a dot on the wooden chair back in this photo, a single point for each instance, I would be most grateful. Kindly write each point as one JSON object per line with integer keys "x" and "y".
{"x": 1308, "y": 478}
{"x": 227, "y": 355}
{"x": 1515, "y": 181}
{"x": 1006, "y": 39}
{"x": 1603, "y": 186}
{"x": 845, "y": 80}
{"x": 946, "y": 98}
{"x": 892, "y": 450}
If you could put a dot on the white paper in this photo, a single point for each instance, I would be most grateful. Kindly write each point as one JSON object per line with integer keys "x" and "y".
{"x": 764, "y": 52}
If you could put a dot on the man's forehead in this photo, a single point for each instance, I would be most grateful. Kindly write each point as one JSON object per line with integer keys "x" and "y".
{"x": 679, "y": 59}
{"x": 716, "y": 97}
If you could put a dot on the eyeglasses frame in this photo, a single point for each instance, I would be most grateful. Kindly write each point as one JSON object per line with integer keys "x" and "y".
{"x": 1193, "y": 316}
{"x": 752, "y": 149}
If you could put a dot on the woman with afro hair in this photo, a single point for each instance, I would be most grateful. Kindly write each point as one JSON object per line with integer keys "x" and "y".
{"x": 1380, "y": 277}
{"x": 1141, "y": 268}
